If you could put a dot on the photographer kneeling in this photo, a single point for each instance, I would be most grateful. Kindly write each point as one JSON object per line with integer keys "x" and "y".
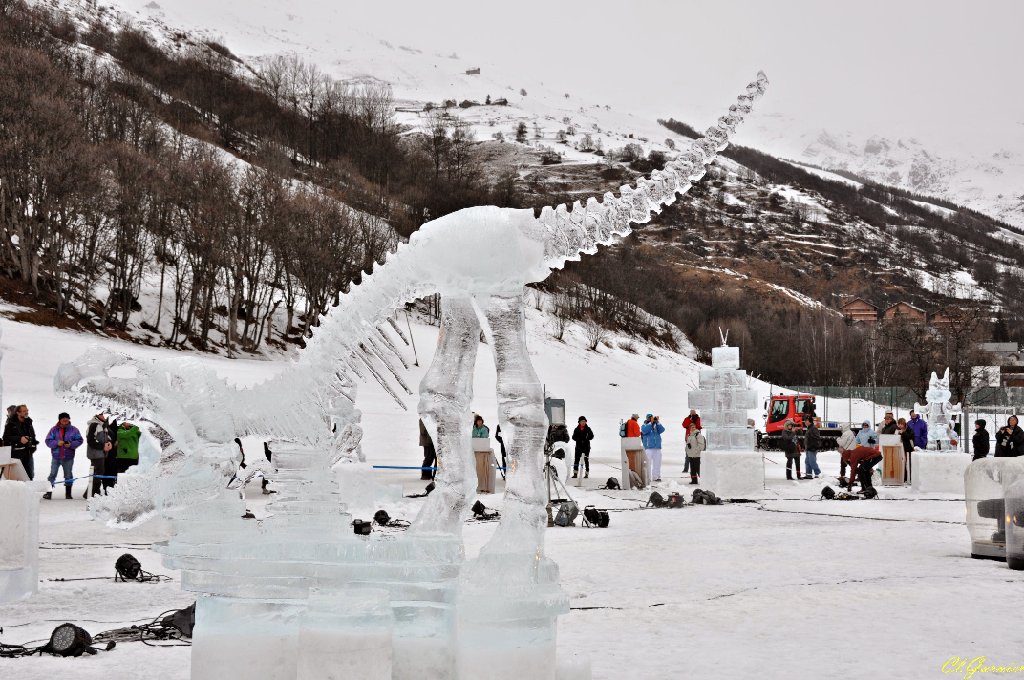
{"x": 863, "y": 460}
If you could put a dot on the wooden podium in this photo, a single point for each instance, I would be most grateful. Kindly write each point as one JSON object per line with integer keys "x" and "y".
{"x": 634, "y": 458}
{"x": 893, "y": 459}
{"x": 486, "y": 477}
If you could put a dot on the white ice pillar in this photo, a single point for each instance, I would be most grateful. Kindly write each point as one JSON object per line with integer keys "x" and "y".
{"x": 19, "y": 540}
{"x": 524, "y": 429}
{"x": 509, "y": 598}
{"x": 446, "y": 392}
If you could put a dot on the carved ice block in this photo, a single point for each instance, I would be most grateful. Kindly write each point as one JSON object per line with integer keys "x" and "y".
{"x": 733, "y": 474}
{"x": 735, "y": 400}
{"x": 702, "y": 400}
{"x": 725, "y": 357}
{"x": 742, "y": 440}
{"x": 721, "y": 378}
{"x": 731, "y": 418}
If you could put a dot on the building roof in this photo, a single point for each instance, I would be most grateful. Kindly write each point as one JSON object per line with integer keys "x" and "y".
{"x": 905, "y": 304}
{"x": 858, "y": 299}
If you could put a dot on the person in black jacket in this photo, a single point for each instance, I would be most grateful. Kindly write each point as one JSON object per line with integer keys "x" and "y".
{"x": 1010, "y": 439}
{"x": 907, "y": 437}
{"x": 812, "y": 444}
{"x": 980, "y": 440}
{"x": 789, "y": 440}
{"x": 582, "y": 434}
{"x": 889, "y": 425}
{"x": 21, "y": 437}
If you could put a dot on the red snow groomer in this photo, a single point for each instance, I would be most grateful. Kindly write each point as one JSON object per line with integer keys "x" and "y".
{"x": 782, "y": 407}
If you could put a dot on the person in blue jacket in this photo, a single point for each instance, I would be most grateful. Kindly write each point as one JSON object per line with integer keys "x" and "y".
{"x": 919, "y": 427}
{"x": 62, "y": 439}
{"x": 650, "y": 435}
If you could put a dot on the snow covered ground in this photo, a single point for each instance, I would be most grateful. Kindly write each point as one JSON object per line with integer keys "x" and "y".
{"x": 786, "y": 587}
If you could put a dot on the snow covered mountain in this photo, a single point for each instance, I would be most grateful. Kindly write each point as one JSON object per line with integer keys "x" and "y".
{"x": 986, "y": 175}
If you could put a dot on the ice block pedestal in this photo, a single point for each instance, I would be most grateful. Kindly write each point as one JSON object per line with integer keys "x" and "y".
{"x": 298, "y": 596}
{"x": 19, "y": 541}
{"x": 731, "y": 466}
{"x": 938, "y": 471}
{"x": 507, "y": 626}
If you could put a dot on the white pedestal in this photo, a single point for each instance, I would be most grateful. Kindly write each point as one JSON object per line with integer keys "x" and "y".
{"x": 732, "y": 474}
{"x": 19, "y": 540}
{"x": 938, "y": 471}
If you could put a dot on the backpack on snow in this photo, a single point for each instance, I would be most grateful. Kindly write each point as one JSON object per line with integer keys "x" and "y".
{"x": 567, "y": 512}
{"x": 594, "y": 517}
{"x": 657, "y": 500}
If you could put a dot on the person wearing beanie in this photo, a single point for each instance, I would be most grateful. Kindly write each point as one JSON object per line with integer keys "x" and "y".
{"x": 582, "y": 435}
{"x": 651, "y": 432}
{"x": 62, "y": 439}
{"x": 100, "y": 441}
{"x": 980, "y": 442}
{"x": 632, "y": 426}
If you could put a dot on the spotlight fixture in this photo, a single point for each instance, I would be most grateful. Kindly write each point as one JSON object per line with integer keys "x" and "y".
{"x": 67, "y": 639}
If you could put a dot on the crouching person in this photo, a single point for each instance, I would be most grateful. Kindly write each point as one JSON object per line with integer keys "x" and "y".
{"x": 863, "y": 460}
{"x": 845, "y": 444}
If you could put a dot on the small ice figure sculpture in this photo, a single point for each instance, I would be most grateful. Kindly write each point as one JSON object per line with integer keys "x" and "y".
{"x": 19, "y": 540}
{"x": 731, "y": 466}
{"x": 938, "y": 411}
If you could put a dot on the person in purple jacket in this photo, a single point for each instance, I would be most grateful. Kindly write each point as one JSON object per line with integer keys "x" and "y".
{"x": 919, "y": 427}
{"x": 62, "y": 439}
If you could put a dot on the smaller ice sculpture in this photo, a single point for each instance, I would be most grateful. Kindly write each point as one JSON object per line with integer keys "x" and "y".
{"x": 938, "y": 411}
{"x": 19, "y": 540}
{"x": 986, "y": 514}
{"x": 731, "y": 465}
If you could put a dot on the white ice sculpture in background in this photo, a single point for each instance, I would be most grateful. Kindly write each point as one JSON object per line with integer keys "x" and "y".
{"x": 938, "y": 412}
{"x": 267, "y": 594}
{"x": 731, "y": 466}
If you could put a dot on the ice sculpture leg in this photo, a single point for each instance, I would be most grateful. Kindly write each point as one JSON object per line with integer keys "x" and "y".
{"x": 19, "y": 541}
{"x": 521, "y": 414}
{"x": 445, "y": 395}
{"x": 509, "y": 598}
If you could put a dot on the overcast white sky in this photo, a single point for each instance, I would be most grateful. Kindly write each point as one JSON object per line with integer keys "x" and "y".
{"x": 920, "y": 67}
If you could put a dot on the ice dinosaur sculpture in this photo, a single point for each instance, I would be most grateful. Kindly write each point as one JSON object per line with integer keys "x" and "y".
{"x": 478, "y": 259}
{"x": 939, "y": 410}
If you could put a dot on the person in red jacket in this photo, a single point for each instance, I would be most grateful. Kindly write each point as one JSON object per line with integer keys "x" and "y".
{"x": 692, "y": 419}
{"x": 863, "y": 460}
{"x": 633, "y": 426}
